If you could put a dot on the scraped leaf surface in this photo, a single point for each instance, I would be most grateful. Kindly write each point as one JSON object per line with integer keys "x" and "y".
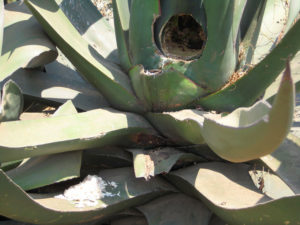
{"x": 148, "y": 163}
{"x": 182, "y": 127}
{"x": 162, "y": 91}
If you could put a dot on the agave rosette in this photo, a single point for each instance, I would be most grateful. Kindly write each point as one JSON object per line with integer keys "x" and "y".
{"x": 192, "y": 83}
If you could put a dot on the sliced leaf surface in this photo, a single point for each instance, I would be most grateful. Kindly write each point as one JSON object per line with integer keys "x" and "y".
{"x": 182, "y": 127}
{"x": 126, "y": 192}
{"x": 24, "y": 42}
{"x": 176, "y": 209}
{"x": 221, "y": 185}
{"x": 105, "y": 76}
{"x": 163, "y": 91}
{"x": 96, "y": 128}
{"x": 148, "y": 163}
{"x": 11, "y": 104}
{"x": 231, "y": 137}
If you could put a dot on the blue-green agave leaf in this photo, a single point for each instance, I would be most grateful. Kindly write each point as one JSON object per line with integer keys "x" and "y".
{"x": 221, "y": 185}
{"x": 44, "y": 170}
{"x": 25, "y": 44}
{"x": 107, "y": 77}
{"x": 95, "y": 128}
{"x": 87, "y": 19}
{"x": 252, "y": 85}
{"x": 219, "y": 57}
{"x": 231, "y": 137}
{"x": 121, "y": 191}
{"x": 121, "y": 9}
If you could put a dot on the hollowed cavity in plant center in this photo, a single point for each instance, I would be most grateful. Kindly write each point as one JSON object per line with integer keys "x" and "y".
{"x": 183, "y": 38}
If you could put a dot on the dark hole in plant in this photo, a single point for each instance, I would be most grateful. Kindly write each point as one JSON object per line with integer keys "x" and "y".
{"x": 183, "y": 38}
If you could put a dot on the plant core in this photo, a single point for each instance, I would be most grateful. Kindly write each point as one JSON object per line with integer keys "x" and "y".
{"x": 183, "y": 38}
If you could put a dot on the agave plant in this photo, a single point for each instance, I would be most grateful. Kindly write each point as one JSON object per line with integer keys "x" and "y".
{"x": 182, "y": 115}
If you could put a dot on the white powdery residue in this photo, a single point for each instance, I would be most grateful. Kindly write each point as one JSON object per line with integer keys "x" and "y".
{"x": 89, "y": 191}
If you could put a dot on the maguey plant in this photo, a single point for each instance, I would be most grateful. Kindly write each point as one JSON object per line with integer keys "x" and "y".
{"x": 176, "y": 112}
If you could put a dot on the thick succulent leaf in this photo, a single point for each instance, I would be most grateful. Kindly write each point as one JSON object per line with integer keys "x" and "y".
{"x": 1, "y": 23}
{"x": 93, "y": 27}
{"x": 285, "y": 162}
{"x": 272, "y": 25}
{"x": 66, "y": 109}
{"x": 105, "y": 76}
{"x": 176, "y": 209}
{"x": 229, "y": 192}
{"x": 181, "y": 127}
{"x": 96, "y": 128}
{"x": 294, "y": 10}
{"x": 44, "y": 170}
{"x": 271, "y": 91}
{"x": 149, "y": 163}
{"x": 250, "y": 28}
{"x": 59, "y": 87}
{"x": 24, "y": 42}
{"x": 141, "y": 44}
{"x": 251, "y": 86}
{"x": 219, "y": 57}
{"x": 231, "y": 137}
{"x": 45, "y": 209}
{"x": 130, "y": 221}
{"x": 121, "y": 9}
{"x": 108, "y": 157}
{"x": 62, "y": 70}
{"x": 11, "y": 104}
{"x": 163, "y": 91}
